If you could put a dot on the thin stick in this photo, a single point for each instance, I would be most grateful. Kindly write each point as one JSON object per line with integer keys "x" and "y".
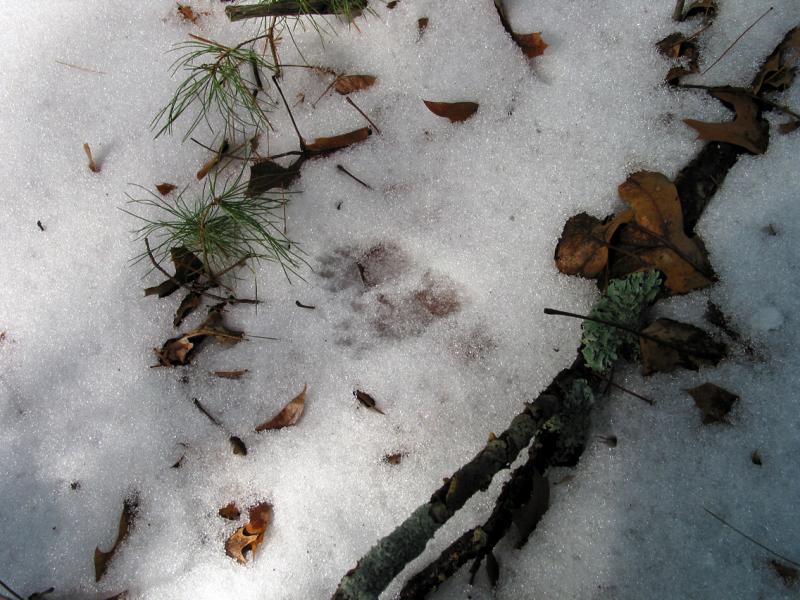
{"x": 553, "y": 311}
{"x": 353, "y": 104}
{"x": 92, "y": 165}
{"x": 737, "y": 39}
{"x": 349, "y": 174}
{"x": 747, "y": 537}
{"x": 88, "y": 70}
{"x": 211, "y": 418}
{"x": 291, "y": 116}
{"x": 10, "y": 591}
{"x": 626, "y": 390}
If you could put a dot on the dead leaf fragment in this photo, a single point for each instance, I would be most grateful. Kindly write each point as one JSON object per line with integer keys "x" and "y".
{"x": 92, "y": 165}
{"x": 786, "y": 572}
{"x": 531, "y": 44}
{"x": 346, "y": 84}
{"x": 326, "y": 145}
{"x": 187, "y": 269}
{"x": 126, "y": 519}
{"x": 180, "y": 350}
{"x": 707, "y": 8}
{"x": 188, "y": 305}
{"x": 266, "y": 175}
{"x": 187, "y": 13}
{"x": 394, "y": 459}
{"x": 290, "y": 414}
{"x": 669, "y": 344}
{"x": 748, "y": 130}
{"x": 455, "y": 112}
{"x": 230, "y": 374}
{"x": 713, "y": 401}
{"x": 583, "y": 246}
{"x": 238, "y": 445}
{"x": 789, "y": 126}
{"x": 249, "y": 537}
{"x": 528, "y": 516}
{"x": 422, "y": 25}
{"x": 365, "y": 399}
{"x": 230, "y": 511}
{"x": 755, "y": 458}
{"x": 165, "y": 188}
{"x": 778, "y": 71}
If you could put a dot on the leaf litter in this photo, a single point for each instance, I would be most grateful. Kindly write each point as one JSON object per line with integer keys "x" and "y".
{"x": 248, "y": 538}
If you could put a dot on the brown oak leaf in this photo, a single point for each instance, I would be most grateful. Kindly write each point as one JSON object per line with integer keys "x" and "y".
{"x": 249, "y": 537}
{"x": 326, "y": 145}
{"x": 713, "y": 401}
{"x": 165, "y": 188}
{"x": 666, "y": 344}
{"x": 187, "y": 268}
{"x": 346, "y": 84}
{"x": 778, "y": 71}
{"x": 748, "y": 130}
{"x": 583, "y": 246}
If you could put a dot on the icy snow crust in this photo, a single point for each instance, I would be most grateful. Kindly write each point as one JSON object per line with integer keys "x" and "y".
{"x": 472, "y": 210}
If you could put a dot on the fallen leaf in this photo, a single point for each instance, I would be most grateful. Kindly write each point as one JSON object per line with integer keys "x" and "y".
{"x": 92, "y": 165}
{"x": 583, "y": 246}
{"x": 250, "y": 536}
{"x": 266, "y": 174}
{"x": 713, "y": 401}
{"x": 346, "y": 84}
{"x": 121, "y": 596}
{"x": 778, "y": 71}
{"x": 230, "y": 374}
{"x": 214, "y": 326}
{"x": 786, "y": 572}
{"x": 188, "y": 305}
{"x": 238, "y": 445}
{"x": 531, "y": 44}
{"x": 41, "y": 595}
{"x": 528, "y": 516}
{"x": 230, "y": 511}
{"x": 707, "y": 8}
{"x": 102, "y": 559}
{"x": 755, "y": 458}
{"x": 165, "y": 188}
{"x": 748, "y": 130}
{"x": 177, "y": 351}
{"x": 180, "y": 350}
{"x": 662, "y": 245}
{"x": 456, "y": 112}
{"x": 422, "y": 25}
{"x": 187, "y": 269}
{"x": 394, "y": 459}
{"x": 677, "y": 345}
{"x": 367, "y": 400}
{"x": 290, "y": 414}
{"x": 326, "y": 145}
{"x": 678, "y": 47}
{"x": 187, "y": 13}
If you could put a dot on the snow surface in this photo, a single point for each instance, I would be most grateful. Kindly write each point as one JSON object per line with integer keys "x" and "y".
{"x": 471, "y": 211}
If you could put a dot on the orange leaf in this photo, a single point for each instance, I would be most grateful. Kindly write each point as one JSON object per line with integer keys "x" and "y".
{"x": 289, "y": 415}
{"x": 230, "y": 511}
{"x": 249, "y": 537}
{"x": 454, "y": 111}
{"x": 324, "y": 145}
{"x": 230, "y": 374}
{"x": 345, "y": 84}
{"x": 531, "y": 44}
{"x": 187, "y": 13}
{"x": 747, "y": 130}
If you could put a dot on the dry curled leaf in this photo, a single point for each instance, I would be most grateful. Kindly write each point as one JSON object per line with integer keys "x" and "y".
{"x": 187, "y": 269}
{"x": 326, "y": 145}
{"x": 102, "y": 559}
{"x": 707, "y": 8}
{"x": 188, "y": 305}
{"x": 713, "y": 401}
{"x": 249, "y": 537}
{"x": 663, "y": 244}
{"x": 237, "y": 445}
{"x": 346, "y": 84}
{"x": 180, "y": 350}
{"x": 778, "y": 71}
{"x": 290, "y": 414}
{"x": 583, "y": 246}
{"x": 366, "y": 400}
{"x": 787, "y": 573}
{"x": 755, "y": 458}
{"x": 666, "y": 344}
{"x": 230, "y": 511}
{"x": 187, "y": 13}
{"x": 748, "y": 130}
{"x": 456, "y": 112}
{"x": 531, "y": 44}
{"x": 679, "y": 48}
{"x": 165, "y": 188}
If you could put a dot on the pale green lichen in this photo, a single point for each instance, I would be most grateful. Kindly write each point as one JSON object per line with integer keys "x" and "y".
{"x": 622, "y": 303}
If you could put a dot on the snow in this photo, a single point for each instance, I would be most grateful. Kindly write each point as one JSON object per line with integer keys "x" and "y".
{"x": 468, "y": 211}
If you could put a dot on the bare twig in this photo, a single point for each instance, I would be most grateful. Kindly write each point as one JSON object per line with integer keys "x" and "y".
{"x": 721, "y": 56}
{"x": 92, "y": 165}
{"x": 353, "y": 104}
{"x": 86, "y": 69}
{"x": 612, "y": 383}
{"x": 349, "y": 174}
{"x": 750, "y": 539}
{"x": 289, "y": 110}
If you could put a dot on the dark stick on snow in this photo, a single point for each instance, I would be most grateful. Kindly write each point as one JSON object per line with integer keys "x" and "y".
{"x": 363, "y": 114}
{"x": 10, "y": 591}
{"x": 39, "y": 225}
{"x": 301, "y": 305}
{"x": 349, "y": 174}
{"x": 289, "y": 110}
{"x": 211, "y": 417}
{"x": 677, "y": 14}
{"x": 750, "y": 539}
